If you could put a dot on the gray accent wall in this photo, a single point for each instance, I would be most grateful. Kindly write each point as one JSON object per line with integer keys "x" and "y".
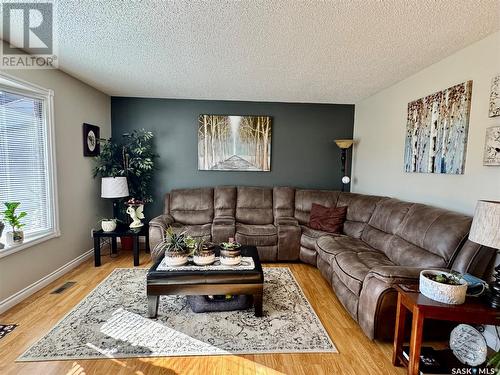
{"x": 303, "y": 153}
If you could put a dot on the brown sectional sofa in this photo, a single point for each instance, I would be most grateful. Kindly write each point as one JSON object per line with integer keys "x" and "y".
{"x": 385, "y": 241}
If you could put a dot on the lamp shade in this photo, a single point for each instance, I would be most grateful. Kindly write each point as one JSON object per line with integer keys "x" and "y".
{"x": 114, "y": 187}
{"x": 344, "y": 143}
{"x": 485, "y": 228}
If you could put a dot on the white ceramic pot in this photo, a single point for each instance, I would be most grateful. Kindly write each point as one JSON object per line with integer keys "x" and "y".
{"x": 204, "y": 260}
{"x": 230, "y": 261}
{"x": 175, "y": 259}
{"x": 445, "y": 293}
{"x": 15, "y": 238}
{"x": 108, "y": 225}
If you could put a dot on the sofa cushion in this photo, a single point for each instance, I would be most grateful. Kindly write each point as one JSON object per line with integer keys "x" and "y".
{"x": 225, "y": 201}
{"x": 192, "y": 206}
{"x": 428, "y": 236}
{"x": 351, "y": 268}
{"x": 330, "y": 246}
{"x": 254, "y": 205}
{"x": 360, "y": 208}
{"x": 328, "y": 219}
{"x": 305, "y": 198}
{"x": 257, "y": 235}
{"x": 310, "y": 236}
{"x": 197, "y": 231}
{"x": 283, "y": 201}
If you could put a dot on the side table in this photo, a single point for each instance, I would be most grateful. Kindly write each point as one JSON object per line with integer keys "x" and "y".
{"x": 472, "y": 311}
{"x": 120, "y": 232}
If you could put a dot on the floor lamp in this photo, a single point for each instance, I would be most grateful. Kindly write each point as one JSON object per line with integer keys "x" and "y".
{"x": 344, "y": 145}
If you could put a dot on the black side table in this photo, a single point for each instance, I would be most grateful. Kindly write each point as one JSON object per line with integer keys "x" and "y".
{"x": 120, "y": 232}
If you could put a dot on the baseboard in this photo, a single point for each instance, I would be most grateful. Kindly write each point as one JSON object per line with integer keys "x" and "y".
{"x": 43, "y": 282}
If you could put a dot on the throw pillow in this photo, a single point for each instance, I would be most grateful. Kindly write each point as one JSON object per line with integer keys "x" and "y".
{"x": 328, "y": 219}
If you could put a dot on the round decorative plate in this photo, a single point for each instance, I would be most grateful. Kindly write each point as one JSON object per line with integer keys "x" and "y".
{"x": 468, "y": 345}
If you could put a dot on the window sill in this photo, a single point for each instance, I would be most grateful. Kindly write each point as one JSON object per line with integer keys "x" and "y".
{"x": 28, "y": 242}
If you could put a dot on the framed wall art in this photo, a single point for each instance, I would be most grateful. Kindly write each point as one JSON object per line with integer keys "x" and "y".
{"x": 91, "y": 135}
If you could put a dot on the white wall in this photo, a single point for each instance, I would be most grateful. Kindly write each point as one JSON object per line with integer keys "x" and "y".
{"x": 79, "y": 202}
{"x": 379, "y": 128}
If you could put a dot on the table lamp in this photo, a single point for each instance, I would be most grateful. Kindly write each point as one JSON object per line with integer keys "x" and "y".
{"x": 485, "y": 230}
{"x": 344, "y": 144}
{"x": 114, "y": 188}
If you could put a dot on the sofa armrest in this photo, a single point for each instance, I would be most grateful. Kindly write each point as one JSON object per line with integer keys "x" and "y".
{"x": 223, "y": 228}
{"x": 224, "y": 220}
{"x": 286, "y": 220}
{"x": 162, "y": 221}
{"x": 392, "y": 275}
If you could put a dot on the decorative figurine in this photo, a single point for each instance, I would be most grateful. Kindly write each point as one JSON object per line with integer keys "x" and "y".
{"x": 135, "y": 210}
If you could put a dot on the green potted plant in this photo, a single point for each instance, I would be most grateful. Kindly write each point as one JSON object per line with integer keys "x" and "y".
{"x": 203, "y": 253}
{"x": 16, "y": 236}
{"x": 173, "y": 247}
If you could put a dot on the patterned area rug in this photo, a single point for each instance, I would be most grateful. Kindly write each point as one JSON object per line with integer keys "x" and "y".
{"x": 110, "y": 323}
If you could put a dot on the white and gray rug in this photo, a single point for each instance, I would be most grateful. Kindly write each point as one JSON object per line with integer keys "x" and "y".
{"x": 111, "y": 323}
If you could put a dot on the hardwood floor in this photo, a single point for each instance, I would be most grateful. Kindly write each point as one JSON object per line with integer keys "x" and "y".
{"x": 40, "y": 312}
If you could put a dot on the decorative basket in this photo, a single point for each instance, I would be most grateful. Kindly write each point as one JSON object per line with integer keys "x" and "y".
{"x": 445, "y": 293}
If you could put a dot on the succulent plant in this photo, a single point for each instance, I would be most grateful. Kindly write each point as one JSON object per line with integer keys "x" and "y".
{"x": 173, "y": 242}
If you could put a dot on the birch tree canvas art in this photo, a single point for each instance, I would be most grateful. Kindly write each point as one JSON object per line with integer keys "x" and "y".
{"x": 495, "y": 97}
{"x": 437, "y": 130}
{"x": 234, "y": 143}
{"x": 492, "y": 146}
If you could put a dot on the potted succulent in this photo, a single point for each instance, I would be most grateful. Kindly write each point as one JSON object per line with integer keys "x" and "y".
{"x": 16, "y": 236}
{"x": 174, "y": 247}
{"x": 230, "y": 253}
{"x": 443, "y": 286}
{"x": 203, "y": 253}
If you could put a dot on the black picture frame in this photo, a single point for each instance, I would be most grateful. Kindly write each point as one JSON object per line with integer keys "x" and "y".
{"x": 91, "y": 135}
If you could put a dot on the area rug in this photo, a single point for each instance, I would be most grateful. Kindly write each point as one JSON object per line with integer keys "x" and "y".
{"x": 111, "y": 323}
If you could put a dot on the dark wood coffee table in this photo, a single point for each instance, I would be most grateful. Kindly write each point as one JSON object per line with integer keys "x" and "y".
{"x": 209, "y": 282}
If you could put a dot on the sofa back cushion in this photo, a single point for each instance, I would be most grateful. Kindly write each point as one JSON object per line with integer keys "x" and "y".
{"x": 360, "y": 208}
{"x": 384, "y": 222}
{"x": 192, "y": 206}
{"x": 283, "y": 201}
{"x": 225, "y": 201}
{"x": 254, "y": 205}
{"x": 428, "y": 236}
{"x": 305, "y": 198}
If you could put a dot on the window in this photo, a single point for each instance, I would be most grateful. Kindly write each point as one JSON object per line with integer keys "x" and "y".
{"x": 27, "y": 172}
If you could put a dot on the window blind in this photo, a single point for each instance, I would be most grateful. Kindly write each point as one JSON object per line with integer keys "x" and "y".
{"x": 24, "y": 174}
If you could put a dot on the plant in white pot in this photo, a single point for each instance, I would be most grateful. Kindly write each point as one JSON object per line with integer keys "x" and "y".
{"x": 174, "y": 247}
{"x": 203, "y": 253}
{"x": 108, "y": 225}
{"x": 16, "y": 235}
{"x": 441, "y": 286}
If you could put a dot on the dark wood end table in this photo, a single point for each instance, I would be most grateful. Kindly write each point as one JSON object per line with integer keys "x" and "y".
{"x": 120, "y": 232}
{"x": 474, "y": 311}
{"x": 208, "y": 282}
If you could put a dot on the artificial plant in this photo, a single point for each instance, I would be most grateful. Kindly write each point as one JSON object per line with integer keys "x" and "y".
{"x": 11, "y": 217}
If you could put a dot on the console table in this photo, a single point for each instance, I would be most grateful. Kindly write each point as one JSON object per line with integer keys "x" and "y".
{"x": 120, "y": 232}
{"x": 472, "y": 311}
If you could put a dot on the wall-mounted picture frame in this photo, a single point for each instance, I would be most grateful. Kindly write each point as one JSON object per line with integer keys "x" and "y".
{"x": 492, "y": 147}
{"x": 91, "y": 134}
{"x": 234, "y": 143}
{"x": 494, "y": 108}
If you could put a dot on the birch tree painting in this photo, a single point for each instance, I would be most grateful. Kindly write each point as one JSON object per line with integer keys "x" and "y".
{"x": 437, "y": 130}
{"x": 234, "y": 143}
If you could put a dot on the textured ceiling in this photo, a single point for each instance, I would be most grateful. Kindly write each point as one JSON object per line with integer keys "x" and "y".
{"x": 296, "y": 51}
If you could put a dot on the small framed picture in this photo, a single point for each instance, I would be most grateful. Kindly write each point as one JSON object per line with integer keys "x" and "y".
{"x": 91, "y": 140}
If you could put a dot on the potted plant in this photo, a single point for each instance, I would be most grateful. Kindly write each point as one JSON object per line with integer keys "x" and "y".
{"x": 108, "y": 225}
{"x": 16, "y": 236}
{"x": 203, "y": 253}
{"x": 174, "y": 247}
{"x": 443, "y": 286}
{"x": 133, "y": 157}
{"x": 230, "y": 253}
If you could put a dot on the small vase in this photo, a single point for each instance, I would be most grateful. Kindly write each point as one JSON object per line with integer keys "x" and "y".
{"x": 230, "y": 257}
{"x": 108, "y": 225}
{"x": 175, "y": 259}
{"x": 15, "y": 237}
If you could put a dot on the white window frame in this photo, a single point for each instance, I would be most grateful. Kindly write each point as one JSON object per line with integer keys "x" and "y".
{"x": 21, "y": 87}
